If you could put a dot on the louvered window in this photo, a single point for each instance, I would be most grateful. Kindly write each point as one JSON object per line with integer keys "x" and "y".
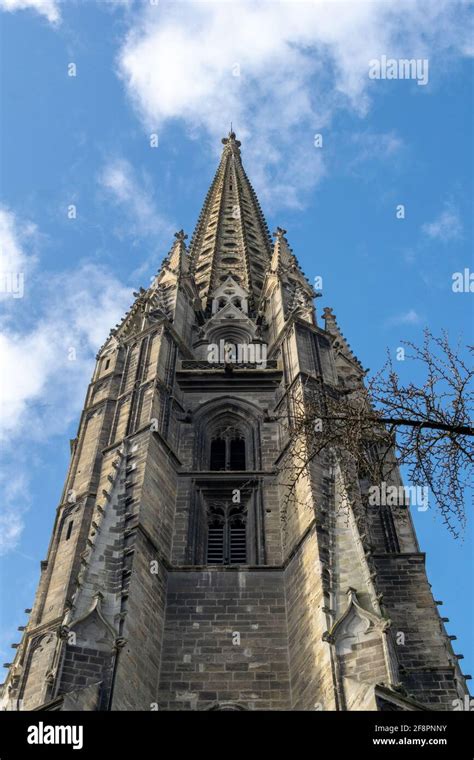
{"x": 237, "y": 544}
{"x": 215, "y": 546}
{"x": 226, "y": 537}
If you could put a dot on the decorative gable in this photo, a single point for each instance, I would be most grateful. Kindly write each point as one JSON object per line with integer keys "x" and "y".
{"x": 230, "y": 293}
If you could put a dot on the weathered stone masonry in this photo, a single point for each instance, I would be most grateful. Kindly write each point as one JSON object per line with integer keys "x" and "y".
{"x": 177, "y": 576}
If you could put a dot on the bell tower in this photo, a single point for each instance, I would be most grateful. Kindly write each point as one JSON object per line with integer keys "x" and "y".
{"x": 179, "y": 576}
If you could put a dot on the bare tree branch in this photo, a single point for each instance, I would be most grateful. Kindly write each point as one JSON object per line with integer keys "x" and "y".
{"x": 387, "y": 424}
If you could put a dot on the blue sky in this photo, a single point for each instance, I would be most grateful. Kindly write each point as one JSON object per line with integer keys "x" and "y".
{"x": 282, "y": 73}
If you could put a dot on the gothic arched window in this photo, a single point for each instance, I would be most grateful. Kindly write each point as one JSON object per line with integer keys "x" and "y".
{"x": 237, "y": 454}
{"x": 228, "y": 451}
{"x": 218, "y": 454}
{"x": 226, "y": 536}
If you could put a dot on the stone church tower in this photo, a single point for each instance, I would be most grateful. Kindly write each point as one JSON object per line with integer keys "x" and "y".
{"x": 173, "y": 580}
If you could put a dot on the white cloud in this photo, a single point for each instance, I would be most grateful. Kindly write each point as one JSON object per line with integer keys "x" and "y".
{"x": 48, "y": 8}
{"x": 376, "y": 146}
{"x": 134, "y": 196}
{"x": 45, "y": 367}
{"x": 43, "y": 381}
{"x": 410, "y": 317}
{"x": 44, "y": 370}
{"x": 17, "y": 253}
{"x": 298, "y": 64}
{"x": 15, "y": 501}
{"x": 447, "y": 226}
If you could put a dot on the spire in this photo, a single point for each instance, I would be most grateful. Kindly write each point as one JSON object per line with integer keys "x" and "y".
{"x": 174, "y": 272}
{"x": 340, "y": 343}
{"x": 178, "y": 260}
{"x": 231, "y": 235}
{"x": 283, "y": 258}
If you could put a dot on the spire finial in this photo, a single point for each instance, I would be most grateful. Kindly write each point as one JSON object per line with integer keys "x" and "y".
{"x": 279, "y": 233}
{"x": 180, "y": 236}
{"x": 328, "y": 314}
{"x": 231, "y": 139}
